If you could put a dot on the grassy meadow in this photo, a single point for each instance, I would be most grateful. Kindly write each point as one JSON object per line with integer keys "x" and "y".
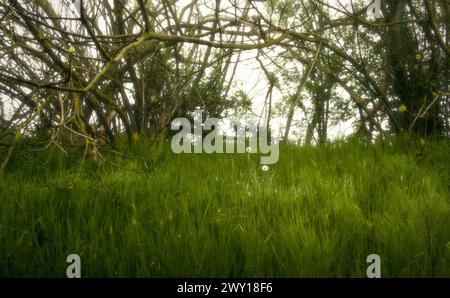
{"x": 319, "y": 212}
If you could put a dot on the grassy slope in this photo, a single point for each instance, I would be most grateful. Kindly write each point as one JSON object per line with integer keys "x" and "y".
{"x": 317, "y": 213}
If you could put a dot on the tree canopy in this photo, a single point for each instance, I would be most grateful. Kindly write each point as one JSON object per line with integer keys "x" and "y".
{"x": 94, "y": 69}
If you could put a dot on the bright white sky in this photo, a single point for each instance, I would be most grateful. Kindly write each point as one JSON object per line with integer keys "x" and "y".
{"x": 251, "y": 78}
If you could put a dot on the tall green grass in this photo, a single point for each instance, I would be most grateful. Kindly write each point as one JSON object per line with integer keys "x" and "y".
{"x": 319, "y": 212}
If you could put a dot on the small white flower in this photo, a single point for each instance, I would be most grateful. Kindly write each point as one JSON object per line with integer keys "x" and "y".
{"x": 248, "y": 150}
{"x": 265, "y": 168}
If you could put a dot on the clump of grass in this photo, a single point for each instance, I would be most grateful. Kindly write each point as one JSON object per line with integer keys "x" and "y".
{"x": 319, "y": 212}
